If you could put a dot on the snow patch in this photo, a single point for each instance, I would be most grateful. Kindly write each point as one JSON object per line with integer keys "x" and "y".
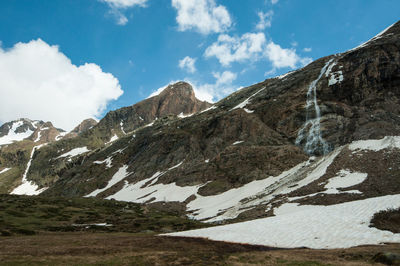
{"x": 112, "y": 139}
{"x": 388, "y": 142}
{"x": 209, "y": 108}
{"x": 346, "y": 179}
{"x": 28, "y": 187}
{"x": 74, "y": 152}
{"x": 247, "y": 101}
{"x": 312, "y": 226}
{"x": 13, "y": 135}
{"x": 107, "y": 161}
{"x": 237, "y": 142}
{"x": 4, "y": 170}
{"x": 117, "y": 177}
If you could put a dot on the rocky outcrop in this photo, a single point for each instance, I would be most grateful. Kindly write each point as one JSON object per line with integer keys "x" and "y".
{"x": 84, "y": 126}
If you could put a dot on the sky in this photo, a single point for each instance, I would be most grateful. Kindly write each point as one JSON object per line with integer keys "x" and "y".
{"x": 64, "y": 61}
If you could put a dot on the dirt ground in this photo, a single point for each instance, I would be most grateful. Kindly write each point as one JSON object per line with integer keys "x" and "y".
{"x": 134, "y": 249}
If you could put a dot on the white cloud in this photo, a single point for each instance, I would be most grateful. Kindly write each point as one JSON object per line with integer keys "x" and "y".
{"x": 226, "y": 77}
{"x": 253, "y": 47}
{"x": 37, "y": 81}
{"x": 204, "y": 16}
{"x": 265, "y": 20}
{"x": 125, "y": 3}
{"x": 307, "y": 50}
{"x": 117, "y": 5}
{"x": 274, "y": 2}
{"x": 187, "y": 64}
{"x": 229, "y": 49}
{"x": 281, "y": 57}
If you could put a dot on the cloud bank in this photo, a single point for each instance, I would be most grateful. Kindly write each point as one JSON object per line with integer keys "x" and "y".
{"x": 37, "y": 81}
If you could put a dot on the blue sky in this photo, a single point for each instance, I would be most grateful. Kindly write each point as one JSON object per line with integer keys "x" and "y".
{"x": 142, "y": 42}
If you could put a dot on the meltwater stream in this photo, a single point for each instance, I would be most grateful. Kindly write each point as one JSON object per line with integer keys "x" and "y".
{"x": 310, "y": 132}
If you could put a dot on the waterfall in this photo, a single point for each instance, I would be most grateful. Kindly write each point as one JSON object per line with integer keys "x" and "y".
{"x": 310, "y": 132}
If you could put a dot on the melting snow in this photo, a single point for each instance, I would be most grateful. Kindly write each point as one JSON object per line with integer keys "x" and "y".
{"x": 247, "y": 101}
{"x": 74, "y": 152}
{"x": 346, "y": 179}
{"x": 387, "y": 142}
{"x": 28, "y": 187}
{"x": 117, "y": 177}
{"x": 61, "y": 135}
{"x": 4, "y": 170}
{"x": 113, "y": 138}
{"x": 337, "y": 226}
{"x": 122, "y": 127}
{"x": 13, "y": 135}
{"x": 209, "y": 108}
{"x": 107, "y": 161}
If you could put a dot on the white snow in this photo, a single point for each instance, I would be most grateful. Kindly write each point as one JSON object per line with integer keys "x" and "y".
{"x": 285, "y": 75}
{"x": 181, "y": 115}
{"x": 107, "y": 161}
{"x": 13, "y": 136}
{"x": 378, "y": 36}
{"x": 140, "y": 193}
{"x": 74, "y": 152}
{"x": 29, "y": 187}
{"x": 207, "y": 161}
{"x": 209, "y": 108}
{"x": 346, "y": 179}
{"x": 248, "y": 111}
{"x": 117, "y": 177}
{"x": 229, "y": 204}
{"x": 320, "y": 227}
{"x": 237, "y": 142}
{"x": 113, "y": 138}
{"x": 38, "y": 137}
{"x": 388, "y": 142}
{"x": 61, "y": 135}
{"x": 122, "y": 127}
{"x": 247, "y": 101}
{"x": 4, "y": 170}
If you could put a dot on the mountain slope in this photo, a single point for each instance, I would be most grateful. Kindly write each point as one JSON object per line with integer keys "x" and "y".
{"x": 50, "y": 161}
{"x": 322, "y": 135}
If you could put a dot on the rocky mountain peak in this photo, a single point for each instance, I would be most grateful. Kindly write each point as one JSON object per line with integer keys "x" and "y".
{"x": 84, "y": 126}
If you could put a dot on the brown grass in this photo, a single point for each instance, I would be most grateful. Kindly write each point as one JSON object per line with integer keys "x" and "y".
{"x": 135, "y": 249}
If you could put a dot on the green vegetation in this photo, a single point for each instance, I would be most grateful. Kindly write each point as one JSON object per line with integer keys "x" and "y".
{"x": 31, "y": 215}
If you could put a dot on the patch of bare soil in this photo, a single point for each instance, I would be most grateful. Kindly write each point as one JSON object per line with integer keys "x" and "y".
{"x": 134, "y": 249}
{"x": 387, "y": 220}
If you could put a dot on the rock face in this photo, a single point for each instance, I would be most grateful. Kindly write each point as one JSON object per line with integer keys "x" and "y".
{"x": 176, "y": 99}
{"x": 247, "y": 153}
{"x": 84, "y": 126}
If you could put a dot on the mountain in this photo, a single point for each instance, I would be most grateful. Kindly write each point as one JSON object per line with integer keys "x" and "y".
{"x": 308, "y": 147}
{"x": 175, "y": 100}
{"x": 84, "y": 126}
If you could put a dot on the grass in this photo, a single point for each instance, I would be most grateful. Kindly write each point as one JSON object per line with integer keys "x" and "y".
{"x": 32, "y": 215}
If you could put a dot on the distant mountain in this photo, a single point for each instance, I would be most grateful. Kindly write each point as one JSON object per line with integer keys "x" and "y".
{"x": 325, "y": 136}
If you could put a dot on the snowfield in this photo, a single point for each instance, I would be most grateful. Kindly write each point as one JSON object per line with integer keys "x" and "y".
{"x": 320, "y": 227}
{"x": 13, "y": 135}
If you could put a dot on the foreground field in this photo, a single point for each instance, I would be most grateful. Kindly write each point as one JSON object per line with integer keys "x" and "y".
{"x": 77, "y": 248}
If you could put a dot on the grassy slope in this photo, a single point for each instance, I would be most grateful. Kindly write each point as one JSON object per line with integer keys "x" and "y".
{"x": 31, "y": 215}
